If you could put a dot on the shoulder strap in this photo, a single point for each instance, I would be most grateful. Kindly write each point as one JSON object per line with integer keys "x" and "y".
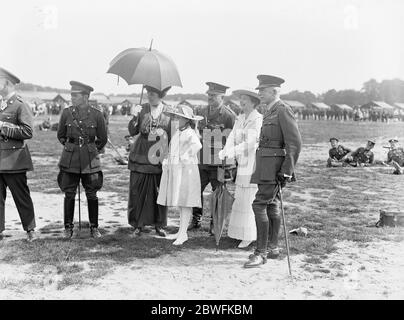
{"x": 73, "y": 112}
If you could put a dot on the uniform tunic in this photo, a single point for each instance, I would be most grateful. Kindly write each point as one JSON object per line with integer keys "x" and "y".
{"x": 339, "y": 152}
{"x": 278, "y": 151}
{"x": 77, "y": 158}
{"x": 396, "y": 155}
{"x": 15, "y": 159}
{"x": 363, "y": 155}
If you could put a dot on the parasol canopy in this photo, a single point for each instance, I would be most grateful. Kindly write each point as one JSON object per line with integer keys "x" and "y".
{"x": 146, "y": 66}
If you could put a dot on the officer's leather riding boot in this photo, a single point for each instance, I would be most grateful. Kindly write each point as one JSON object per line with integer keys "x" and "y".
{"x": 93, "y": 212}
{"x": 273, "y": 250}
{"x": 68, "y": 216}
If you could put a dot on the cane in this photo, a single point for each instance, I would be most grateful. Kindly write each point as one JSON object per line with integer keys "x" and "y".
{"x": 122, "y": 160}
{"x": 284, "y": 228}
{"x": 79, "y": 207}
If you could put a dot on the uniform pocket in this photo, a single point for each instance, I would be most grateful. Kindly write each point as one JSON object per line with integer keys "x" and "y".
{"x": 69, "y": 130}
{"x": 92, "y": 130}
{"x": 94, "y": 156}
{"x": 67, "y": 154}
{"x": 270, "y": 162}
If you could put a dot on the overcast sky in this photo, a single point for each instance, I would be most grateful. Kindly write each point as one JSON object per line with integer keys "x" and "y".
{"x": 313, "y": 44}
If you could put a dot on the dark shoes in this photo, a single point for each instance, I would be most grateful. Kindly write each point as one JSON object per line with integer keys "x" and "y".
{"x": 68, "y": 233}
{"x": 255, "y": 261}
{"x": 31, "y": 235}
{"x": 195, "y": 225}
{"x": 95, "y": 233}
{"x": 160, "y": 232}
{"x": 273, "y": 253}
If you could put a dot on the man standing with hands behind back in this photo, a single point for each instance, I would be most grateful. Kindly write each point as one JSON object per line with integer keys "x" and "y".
{"x": 278, "y": 150}
{"x": 83, "y": 134}
{"x": 16, "y": 125}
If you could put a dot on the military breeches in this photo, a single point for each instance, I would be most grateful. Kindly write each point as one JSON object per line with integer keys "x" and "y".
{"x": 91, "y": 182}
{"x": 17, "y": 183}
{"x": 207, "y": 175}
{"x": 68, "y": 183}
{"x": 267, "y": 217}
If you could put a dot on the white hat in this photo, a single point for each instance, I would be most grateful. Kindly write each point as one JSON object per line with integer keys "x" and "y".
{"x": 184, "y": 111}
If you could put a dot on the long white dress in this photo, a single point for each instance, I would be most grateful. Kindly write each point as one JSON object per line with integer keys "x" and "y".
{"x": 180, "y": 184}
{"x": 241, "y": 144}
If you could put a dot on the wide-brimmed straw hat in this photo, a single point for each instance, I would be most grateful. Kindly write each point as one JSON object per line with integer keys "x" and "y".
{"x": 184, "y": 111}
{"x": 246, "y": 92}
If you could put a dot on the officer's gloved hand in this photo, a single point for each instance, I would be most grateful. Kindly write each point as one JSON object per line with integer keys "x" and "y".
{"x": 283, "y": 178}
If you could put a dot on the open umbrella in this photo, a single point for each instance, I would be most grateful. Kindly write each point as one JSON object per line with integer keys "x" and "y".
{"x": 147, "y": 67}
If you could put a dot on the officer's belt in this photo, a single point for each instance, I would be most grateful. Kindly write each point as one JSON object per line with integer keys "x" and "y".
{"x": 81, "y": 140}
{"x": 271, "y": 144}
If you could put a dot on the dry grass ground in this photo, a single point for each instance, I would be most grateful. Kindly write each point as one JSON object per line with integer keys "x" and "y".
{"x": 344, "y": 256}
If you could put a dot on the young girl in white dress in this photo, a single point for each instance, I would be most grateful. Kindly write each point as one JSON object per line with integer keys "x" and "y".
{"x": 180, "y": 184}
{"x": 241, "y": 144}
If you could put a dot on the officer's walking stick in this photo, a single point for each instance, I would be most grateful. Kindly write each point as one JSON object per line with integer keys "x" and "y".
{"x": 284, "y": 228}
{"x": 79, "y": 206}
{"x": 121, "y": 160}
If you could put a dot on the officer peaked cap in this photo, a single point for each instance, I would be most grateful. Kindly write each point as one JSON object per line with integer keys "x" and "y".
{"x": 268, "y": 81}
{"x": 395, "y": 139}
{"x": 79, "y": 87}
{"x": 372, "y": 141}
{"x": 334, "y": 139}
{"x": 4, "y": 74}
{"x": 216, "y": 88}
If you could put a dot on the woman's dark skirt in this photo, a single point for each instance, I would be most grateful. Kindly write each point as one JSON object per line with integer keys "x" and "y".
{"x": 143, "y": 209}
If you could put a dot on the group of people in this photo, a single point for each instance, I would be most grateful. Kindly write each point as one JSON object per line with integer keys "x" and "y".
{"x": 340, "y": 156}
{"x": 175, "y": 154}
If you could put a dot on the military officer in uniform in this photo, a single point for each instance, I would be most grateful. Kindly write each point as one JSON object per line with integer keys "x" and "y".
{"x": 215, "y": 116}
{"x": 276, "y": 156}
{"x": 362, "y": 156}
{"x": 395, "y": 156}
{"x": 16, "y": 126}
{"x": 82, "y": 132}
{"x": 337, "y": 154}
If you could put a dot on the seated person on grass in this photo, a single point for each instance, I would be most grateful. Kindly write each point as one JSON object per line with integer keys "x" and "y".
{"x": 363, "y": 156}
{"x": 337, "y": 154}
{"x": 395, "y": 156}
{"x": 45, "y": 125}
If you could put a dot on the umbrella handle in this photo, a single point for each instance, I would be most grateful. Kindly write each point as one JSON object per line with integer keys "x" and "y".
{"x": 141, "y": 95}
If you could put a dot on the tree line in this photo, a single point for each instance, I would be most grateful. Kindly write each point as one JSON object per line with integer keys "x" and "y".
{"x": 389, "y": 91}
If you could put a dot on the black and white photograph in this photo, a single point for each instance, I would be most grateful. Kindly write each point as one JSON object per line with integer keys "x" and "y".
{"x": 201, "y": 150}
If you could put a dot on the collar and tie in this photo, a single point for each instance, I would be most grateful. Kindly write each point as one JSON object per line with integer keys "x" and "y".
{"x": 3, "y": 103}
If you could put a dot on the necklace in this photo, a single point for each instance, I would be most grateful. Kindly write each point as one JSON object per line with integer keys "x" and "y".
{"x": 154, "y": 121}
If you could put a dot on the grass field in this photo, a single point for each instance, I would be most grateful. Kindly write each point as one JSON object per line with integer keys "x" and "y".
{"x": 338, "y": 206}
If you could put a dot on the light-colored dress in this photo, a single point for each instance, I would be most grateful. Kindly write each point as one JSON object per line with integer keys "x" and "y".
{"x": 180, "y": 184}
{"x": 242, "y": 144}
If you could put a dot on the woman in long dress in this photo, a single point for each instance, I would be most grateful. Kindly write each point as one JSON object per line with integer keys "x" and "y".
{"x": 151, "y": 126}
{"x": 180, "y": 184}
{"x": 241, "y": 144}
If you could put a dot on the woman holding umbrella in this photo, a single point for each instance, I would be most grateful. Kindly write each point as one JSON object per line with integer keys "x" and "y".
{"x": 152, "y": 127}
{"x": 241, "y": 145}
